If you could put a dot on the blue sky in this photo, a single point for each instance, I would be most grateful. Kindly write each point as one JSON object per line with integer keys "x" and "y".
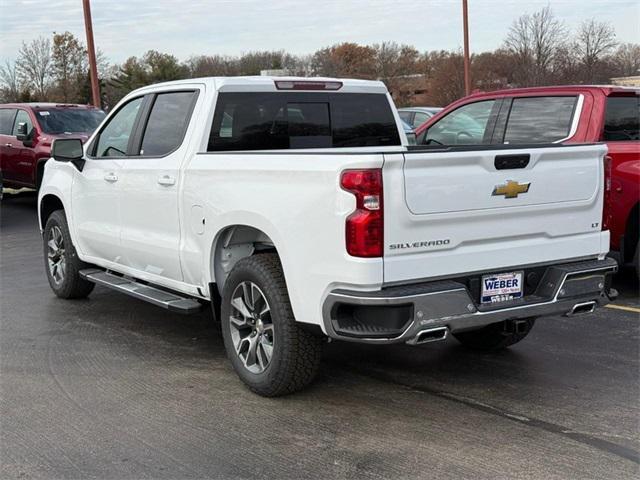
{"x": 130, "y": 27}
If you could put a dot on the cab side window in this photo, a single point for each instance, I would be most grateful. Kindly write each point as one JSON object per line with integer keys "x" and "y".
{"x": 6, "y": 120}
{"x": 22, "y": 117}
{"x": 114, "y": 137}
{"x": 167, "y": 123}
{"x": 464, "y": 126}
{"x": 540, "y": 119}
{"x": 622, "y": 119}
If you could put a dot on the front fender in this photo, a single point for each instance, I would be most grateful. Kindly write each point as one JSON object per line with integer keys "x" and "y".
{"x": 57, "y": 180}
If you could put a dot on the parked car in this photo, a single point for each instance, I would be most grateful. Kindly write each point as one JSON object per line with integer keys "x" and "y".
{"x": 565, "y": 114}
{"x": 416, "y": 116}
{"x": 27, "y": 131}
{"x": 297, "y": 208}
{"x": 409, "y": 132}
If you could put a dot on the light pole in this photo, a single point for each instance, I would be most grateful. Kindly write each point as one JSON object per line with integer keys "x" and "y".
{"x": 93, "y": 68}
{"x": 467, "y": 67}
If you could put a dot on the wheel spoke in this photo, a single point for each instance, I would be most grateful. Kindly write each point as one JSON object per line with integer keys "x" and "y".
{"x": 238, "y": 322}
{"x": 256, "y": 297}
{"x": 267, "y": 348}
{"x": 262, "y": 362}
{"x": 247, "y": 296}
{"x": 240, "y": 347}
{"x": 239, "y": 304}
{"x": 53, "y": 248}
{"x": 264, "y": 310}
{"x": 250, "y": 358}
{"x": 57, "y": 236}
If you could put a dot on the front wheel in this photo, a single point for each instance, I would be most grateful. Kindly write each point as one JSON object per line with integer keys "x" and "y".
{"x": 497, "y": 335}
{"x": 268, "y": 349}
{"x": 61, "y": 260}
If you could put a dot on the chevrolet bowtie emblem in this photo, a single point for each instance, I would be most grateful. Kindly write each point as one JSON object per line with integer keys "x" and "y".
{"x": 511, "y": 189}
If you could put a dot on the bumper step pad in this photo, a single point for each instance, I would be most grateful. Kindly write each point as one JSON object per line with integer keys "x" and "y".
{"x": 171, "y": 301}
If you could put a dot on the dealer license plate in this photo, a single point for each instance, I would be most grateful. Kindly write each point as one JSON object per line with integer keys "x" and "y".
{"x": 501, "y": 287}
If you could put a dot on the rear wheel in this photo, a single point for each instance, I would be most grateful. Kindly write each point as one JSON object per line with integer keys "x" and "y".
{"x": 268, "y": 349}
{"x": 497, "y": 335}
{"x": 61, "y": 260}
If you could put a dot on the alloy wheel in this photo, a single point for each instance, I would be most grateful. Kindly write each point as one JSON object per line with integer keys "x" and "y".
{"x": 251, "y": 327}
{"x": 56, "y": 256}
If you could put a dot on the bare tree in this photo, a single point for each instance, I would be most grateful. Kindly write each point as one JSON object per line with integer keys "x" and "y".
{"x": 594, "y": 41}
{"x": 9, "y": 82}
{"x": 35, "y": 66}
{"x": 534, "y": 40}
{"x": 627, "y": 59}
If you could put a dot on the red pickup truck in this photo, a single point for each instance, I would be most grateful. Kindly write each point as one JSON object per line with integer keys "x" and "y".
{"x": 27, "y": 131}
{"x": 564, "y": 114}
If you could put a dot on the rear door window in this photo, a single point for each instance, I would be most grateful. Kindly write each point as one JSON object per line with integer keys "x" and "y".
{"x": 167, "y": 123}
{"x": 6, "y": 120}
{"x": 540, "y": 119}
{"x": 622, "y": 119}
{"x": 278, "y": 120}
{"x": 466, "y": 125}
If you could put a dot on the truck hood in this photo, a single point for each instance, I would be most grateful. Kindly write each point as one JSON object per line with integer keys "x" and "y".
{"x": 48, "y": 138}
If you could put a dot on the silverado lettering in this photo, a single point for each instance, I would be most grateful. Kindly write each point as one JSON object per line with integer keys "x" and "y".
{"x": 430, "y": 243}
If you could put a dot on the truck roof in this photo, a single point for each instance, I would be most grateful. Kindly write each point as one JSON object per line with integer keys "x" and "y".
{"x": 38, "y": 105}
{"x": 267, "y": 83}
{"x": 606, "y": 89}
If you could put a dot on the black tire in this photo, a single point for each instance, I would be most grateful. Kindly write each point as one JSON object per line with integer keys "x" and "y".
{"x": 295, "y": 352}
{"x": 495, "y": 336}
{"x": 69, "y": 284}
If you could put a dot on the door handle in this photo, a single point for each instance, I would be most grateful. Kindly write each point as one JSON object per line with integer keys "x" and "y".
{"x": 166, "y": 180}
{"x": 8, "y": 145}
{"x": 111, "y": 177}
{"x": 511, "y": 162}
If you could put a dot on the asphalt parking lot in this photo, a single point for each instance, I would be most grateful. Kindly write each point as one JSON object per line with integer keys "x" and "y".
{"x": 111, "y": 387}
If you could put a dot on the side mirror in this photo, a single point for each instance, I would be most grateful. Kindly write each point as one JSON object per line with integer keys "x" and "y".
{"x": 23, "y": 134}
{"x": 68, "y": 150}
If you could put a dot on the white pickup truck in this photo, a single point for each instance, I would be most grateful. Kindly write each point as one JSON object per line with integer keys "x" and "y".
{"x": 296, "y": 208}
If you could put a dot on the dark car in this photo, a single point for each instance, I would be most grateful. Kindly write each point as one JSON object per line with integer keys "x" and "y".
{"x": 27, "y": 131}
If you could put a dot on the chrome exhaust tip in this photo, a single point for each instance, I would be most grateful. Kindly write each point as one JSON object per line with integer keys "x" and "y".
{"x": 580, "y": 308}
{"x": 427, "y": 335}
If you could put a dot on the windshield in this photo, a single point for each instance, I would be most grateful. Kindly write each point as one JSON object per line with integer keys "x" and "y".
{"x": 69, "y": 120}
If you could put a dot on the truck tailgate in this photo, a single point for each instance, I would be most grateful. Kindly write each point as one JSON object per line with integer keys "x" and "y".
{"x": 451, "y": 212}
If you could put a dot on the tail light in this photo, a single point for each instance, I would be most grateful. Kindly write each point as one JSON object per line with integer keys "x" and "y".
{"x": 365, "y": 226}
{"x": 606, "y": 209}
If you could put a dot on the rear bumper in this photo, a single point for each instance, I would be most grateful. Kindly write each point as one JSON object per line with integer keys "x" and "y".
{"x": 402, "y": 313}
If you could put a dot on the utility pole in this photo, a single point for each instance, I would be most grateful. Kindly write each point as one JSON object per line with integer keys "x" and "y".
{"x": 93, "y": 68}
{"x": 467, "y": 67}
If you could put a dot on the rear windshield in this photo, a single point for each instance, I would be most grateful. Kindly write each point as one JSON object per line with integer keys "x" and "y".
{"x": 284, "y": 120}
{"x": 69, "y": 120}
{"x": 622, "y": 119}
